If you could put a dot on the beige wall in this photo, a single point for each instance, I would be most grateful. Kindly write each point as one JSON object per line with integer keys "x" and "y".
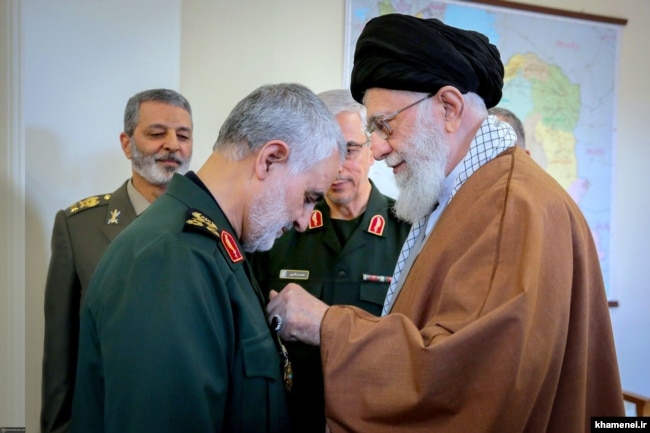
{"x": 82, "y": 61}
{"x": 230, "y": 48}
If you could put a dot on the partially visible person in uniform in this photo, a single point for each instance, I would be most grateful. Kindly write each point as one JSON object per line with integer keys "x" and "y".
{"x": 346, "y": 256}
{"x": 173, "y": 334}
{"x": 157, "y": 138}
{"x": 498, "y": 319}
{"x": 505, "y": 115}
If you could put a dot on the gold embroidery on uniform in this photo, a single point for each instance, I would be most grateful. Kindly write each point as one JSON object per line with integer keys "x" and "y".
{"x": 200, "y": 220}
{"x": 82, "y": 204}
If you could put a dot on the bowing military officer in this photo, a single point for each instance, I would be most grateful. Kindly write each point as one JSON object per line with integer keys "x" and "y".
{"x": 346, "y": 256}
{"x": 157, "y": 138}
{"x": 174, "y": 334}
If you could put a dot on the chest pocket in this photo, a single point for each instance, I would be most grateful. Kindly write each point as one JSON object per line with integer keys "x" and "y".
{"x": 373, "y": 292}
{"x": 257, "y": 354}
{"x": 256, "y": 386}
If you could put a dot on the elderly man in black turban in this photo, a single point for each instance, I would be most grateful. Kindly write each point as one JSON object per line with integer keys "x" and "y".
{"x": 496, "y": 319}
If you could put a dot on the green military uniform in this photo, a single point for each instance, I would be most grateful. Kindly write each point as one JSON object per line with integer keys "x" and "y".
{"x": 356, "y": 272}
{"x": 80, "y": 236}
{"x": 174, "y": 334}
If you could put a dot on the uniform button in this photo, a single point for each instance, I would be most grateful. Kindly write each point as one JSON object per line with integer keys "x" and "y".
{"x": 341, "y": 274}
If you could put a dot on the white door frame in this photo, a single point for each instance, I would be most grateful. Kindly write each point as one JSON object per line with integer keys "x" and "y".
{"x": 12, "y": 219}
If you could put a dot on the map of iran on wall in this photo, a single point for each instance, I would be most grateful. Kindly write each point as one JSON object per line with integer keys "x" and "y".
{"x": 560, "y": 80}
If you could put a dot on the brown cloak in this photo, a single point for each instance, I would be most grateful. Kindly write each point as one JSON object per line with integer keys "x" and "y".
{"x": 502, "y": 324}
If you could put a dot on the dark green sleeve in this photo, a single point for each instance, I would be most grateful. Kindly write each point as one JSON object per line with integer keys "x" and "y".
{"x": 156, "y": 345}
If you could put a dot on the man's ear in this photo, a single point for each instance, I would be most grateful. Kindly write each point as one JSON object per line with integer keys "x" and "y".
{"x": 269, "y": 156}
{"x": 125, "y": 140}
{"x": 453, "y": 105}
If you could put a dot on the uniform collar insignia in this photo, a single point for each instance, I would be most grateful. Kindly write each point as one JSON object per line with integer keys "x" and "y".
{"x": 316, "y": 219}
{"x": 114, "y": 217}
{"x": 231, "y": 247}
{"x": 377, "y": 224}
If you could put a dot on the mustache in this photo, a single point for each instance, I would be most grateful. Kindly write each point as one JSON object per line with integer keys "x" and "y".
{"x": 393, "y": 159}
{"x": 167, "y": 156}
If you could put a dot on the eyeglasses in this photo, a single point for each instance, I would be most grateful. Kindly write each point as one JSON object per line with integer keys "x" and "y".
{"x": 354, "y": 149}
{"x": 380, "y": 124}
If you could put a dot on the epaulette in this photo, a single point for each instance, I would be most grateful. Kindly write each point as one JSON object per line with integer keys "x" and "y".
{"x": 87, "y": 203}
{"x": 196, "y": 221}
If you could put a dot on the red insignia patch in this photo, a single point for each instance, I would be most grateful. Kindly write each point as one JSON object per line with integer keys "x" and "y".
{"x": 377, "y": 224}
{"x": 316, "y": 219}
{"x": 231, "y": 247}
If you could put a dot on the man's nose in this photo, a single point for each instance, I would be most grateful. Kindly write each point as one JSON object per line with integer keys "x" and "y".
{"x": 171, "y": 141}
{"x": 380, "y": 148}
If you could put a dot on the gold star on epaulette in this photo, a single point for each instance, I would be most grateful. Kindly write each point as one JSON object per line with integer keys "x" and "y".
{"x": 87, "y": 203}
{"x": 196, "y": 221}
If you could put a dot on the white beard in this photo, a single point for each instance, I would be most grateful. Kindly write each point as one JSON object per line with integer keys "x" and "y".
{"x": 421, "y": 183}
{"x": 145, "y": 165}
{"x": 267, "y": 219}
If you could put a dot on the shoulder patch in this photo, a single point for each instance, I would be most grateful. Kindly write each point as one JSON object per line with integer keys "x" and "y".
{"x": 195, "y": 221}
{"x": 87, "y": 203}
{"x": 377, "y": 224}
{"x": 316, "y": 219}
{"x": 230, "y": 245}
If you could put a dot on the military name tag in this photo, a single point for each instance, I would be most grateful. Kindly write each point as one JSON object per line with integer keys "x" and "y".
{"x": 294, "y": 274}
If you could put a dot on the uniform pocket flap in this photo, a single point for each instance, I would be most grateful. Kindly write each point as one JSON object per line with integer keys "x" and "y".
{"x": 373, "y": 292}
{"x": 260, "y": 357}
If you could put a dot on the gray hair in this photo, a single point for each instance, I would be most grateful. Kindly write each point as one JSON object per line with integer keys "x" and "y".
{"x": 132, "y": 110}
{"x": 288, "y": 112}
{"x": 341, "y": 100}
{"x": 475, "y": 103}
{"x": 510, "y": 118}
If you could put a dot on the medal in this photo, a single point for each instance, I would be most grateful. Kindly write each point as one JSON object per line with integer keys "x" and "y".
{"x": 288, "y": 375}
{"x": 286, "y": 364}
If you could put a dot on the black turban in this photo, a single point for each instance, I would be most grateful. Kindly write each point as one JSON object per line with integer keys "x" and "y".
{"x": 402, "y": 52}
